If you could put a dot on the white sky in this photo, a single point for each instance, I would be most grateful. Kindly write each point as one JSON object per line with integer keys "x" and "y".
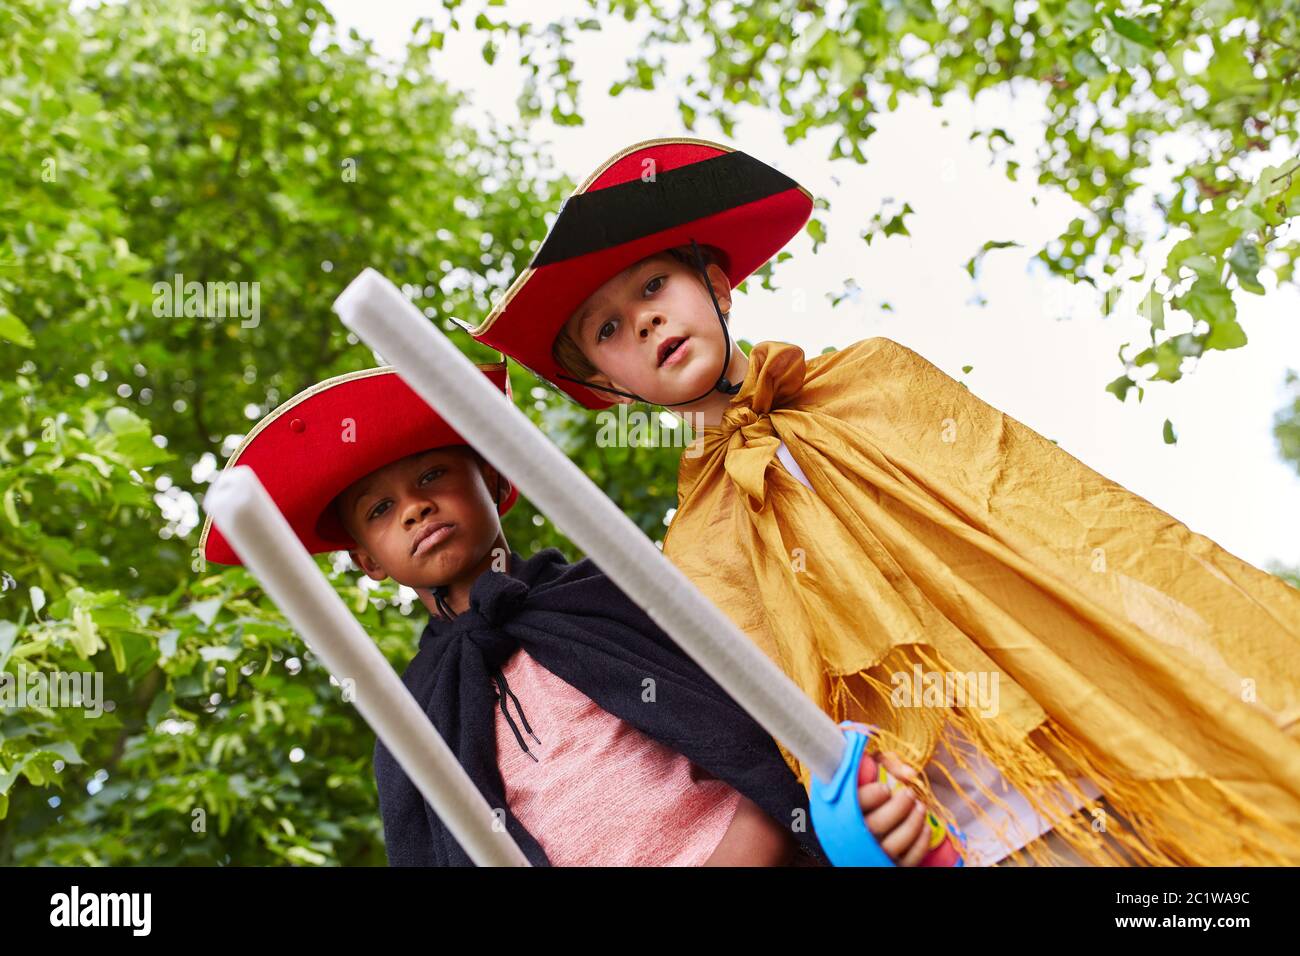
{"x": 1223, "y": 478}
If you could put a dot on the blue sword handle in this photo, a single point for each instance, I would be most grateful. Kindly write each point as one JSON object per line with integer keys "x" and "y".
{"x": 837, "y": 816}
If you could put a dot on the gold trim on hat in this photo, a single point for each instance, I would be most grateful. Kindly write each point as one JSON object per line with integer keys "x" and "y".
{"x": 298, "y": 400}
{"x": 522, "y": 279}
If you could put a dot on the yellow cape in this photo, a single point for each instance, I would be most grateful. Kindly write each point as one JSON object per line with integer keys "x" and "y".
{"x": 945, "y": 535}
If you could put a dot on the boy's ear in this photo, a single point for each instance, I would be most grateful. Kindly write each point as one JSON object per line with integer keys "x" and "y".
{"x": 368, "y": 564}
{"x": 492, "y": 476}
{"x": 600, "y": 378}
{"x": 721, "y": 286}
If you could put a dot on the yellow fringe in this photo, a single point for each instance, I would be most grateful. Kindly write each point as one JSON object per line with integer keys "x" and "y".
{"x": 1172, "y": 822}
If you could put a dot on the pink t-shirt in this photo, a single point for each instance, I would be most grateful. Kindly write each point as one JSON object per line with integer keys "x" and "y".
{"x": 601, "y": 792}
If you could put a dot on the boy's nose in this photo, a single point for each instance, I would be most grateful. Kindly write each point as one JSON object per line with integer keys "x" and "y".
{"x": 648, "y": 321}
{"x": 415, "y": 511}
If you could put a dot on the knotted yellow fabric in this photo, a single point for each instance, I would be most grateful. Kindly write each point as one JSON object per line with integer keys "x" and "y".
{"x": 945, "y": 547}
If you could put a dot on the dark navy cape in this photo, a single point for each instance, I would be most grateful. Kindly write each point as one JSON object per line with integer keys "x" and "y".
{"x": 577, "y": 624}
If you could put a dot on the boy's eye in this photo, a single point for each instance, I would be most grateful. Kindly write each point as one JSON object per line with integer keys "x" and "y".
{"x": 382, "y": 506}
{"x": 657, "y": 279}
{"x": 606, "y": 330}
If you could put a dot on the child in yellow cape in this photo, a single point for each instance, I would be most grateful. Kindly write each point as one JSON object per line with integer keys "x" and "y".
{"x": 1037, "y": 637}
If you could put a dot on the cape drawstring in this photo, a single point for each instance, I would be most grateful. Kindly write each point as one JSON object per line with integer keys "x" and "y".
{"x": 504, "y": 691}
{"x": 439, "y": 593}
{"x": 723, "y": 384}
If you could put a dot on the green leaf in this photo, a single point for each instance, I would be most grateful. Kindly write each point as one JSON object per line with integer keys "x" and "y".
{"x": 1132, "y": 31}
{"x": 220, "y": 653}
{"x": 1125, "y": 53}
{"x": 1181, "y": 251}
{"x": 65, "y": 749}
{"x": 1245, "y": 262}
{"x": 1153, "y": 309}
{"x": 162, "y": 704}
{"x": 124, "y": 421}
{"x": 1168, "y": 432}
{"x": 1214, "y": 233}
{"x": 1227, "y": 334}
{"x": 817, "y": 229}
{"x": 1168, "y": 357}
{"x": 114, "y": 642}
{"x": 1087, "y": 63}
{"x": 1209, "y": 301}
{"x": 1119, "y": 388}
{"x": 974, "y": 261}
{"x": 8, "y": 777}
{"x": 1078, "y": 17}
{"x": 895, "y": 226}
{"x": 12, "y": 329}
{"x": 11, "y": 506}
{"x": 300, "y": 854}
{"x": 205, "y": 611}
{"x": 1245, "y": 218}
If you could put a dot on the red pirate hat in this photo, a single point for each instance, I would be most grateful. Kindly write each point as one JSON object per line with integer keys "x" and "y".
{"x": 326, "y": 437}
{"x": 699, "y": 190}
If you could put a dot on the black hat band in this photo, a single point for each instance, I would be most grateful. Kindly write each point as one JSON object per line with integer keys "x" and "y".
{"x": 605, "y": 218}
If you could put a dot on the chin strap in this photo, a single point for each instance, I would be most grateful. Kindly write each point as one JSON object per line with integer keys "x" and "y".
{"x": 723, "y": 384}
{"x": 439, "y": 592}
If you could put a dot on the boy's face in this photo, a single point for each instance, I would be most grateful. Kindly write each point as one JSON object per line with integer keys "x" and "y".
{"x": 652, "y": 330}
{"x": 391, "y": 512}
